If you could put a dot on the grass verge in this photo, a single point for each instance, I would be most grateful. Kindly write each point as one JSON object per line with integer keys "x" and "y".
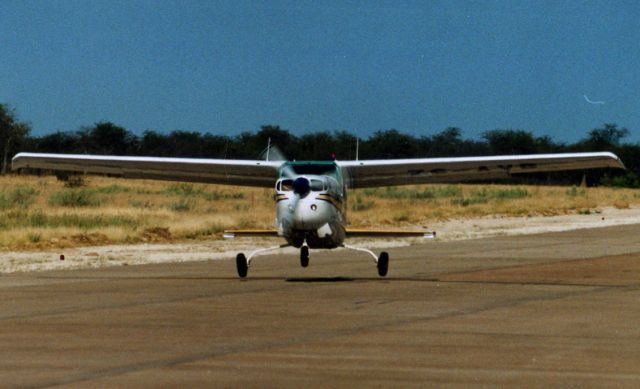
{"x": 40, "y": 212}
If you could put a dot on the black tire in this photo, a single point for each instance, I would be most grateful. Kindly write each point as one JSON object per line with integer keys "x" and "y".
{"x": 241, "y": 265}
{"x": 383, "y": 264}
{"x": 304, "y": 256}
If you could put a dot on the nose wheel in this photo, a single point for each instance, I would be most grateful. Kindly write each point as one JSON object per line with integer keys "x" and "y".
{"x": 304, "y": 256}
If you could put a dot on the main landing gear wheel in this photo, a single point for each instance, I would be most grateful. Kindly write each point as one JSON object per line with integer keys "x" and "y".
{"x": 383, "y": 264}
{"x": 241, "y": 265}
{"x": 304, "y": 256}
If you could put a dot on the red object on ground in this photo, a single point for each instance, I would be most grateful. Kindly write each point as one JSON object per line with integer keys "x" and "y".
{"x": 62, "y": 257}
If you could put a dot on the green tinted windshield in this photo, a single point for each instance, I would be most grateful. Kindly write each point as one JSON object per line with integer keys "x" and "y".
{"x": 321, "y": 168}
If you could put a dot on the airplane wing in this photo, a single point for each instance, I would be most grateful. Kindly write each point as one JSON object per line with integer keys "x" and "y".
{"x": 215, "y": 171}
{"x": 372, "y": 173}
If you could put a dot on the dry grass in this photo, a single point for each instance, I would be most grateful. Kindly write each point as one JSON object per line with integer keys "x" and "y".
{"x": 40, "y": 212}
{"x": 415, "y": 205}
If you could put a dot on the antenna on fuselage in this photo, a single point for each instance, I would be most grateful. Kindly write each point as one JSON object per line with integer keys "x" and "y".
{"x": 268, "y": 148}
{"x": 357, "y": 147}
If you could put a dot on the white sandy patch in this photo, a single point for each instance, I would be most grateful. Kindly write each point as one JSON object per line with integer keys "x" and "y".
{"x": 494, "y": 226}
{"x": 119, "y": 255}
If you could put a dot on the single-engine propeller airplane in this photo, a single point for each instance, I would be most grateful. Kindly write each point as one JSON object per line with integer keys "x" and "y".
{"x": 311, "y": 195}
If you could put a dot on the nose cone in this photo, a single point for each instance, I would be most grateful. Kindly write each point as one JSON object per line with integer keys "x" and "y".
{"x": 301, "y": 186}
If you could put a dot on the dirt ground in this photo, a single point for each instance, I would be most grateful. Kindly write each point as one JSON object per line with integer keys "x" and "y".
{"x": 557, "y": 309}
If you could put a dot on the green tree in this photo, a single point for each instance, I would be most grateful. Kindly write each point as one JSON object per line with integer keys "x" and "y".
{"x": 57, "y": 142}
{"x": 317, "y": 146}
{"x": 544, "y": 144}
{"x": 154, "y": 144}
{"x": 389, "y": 144}
{"x": 446, "y": 143}
{"x": 13, "y": 134}
{"x": 107, "y": 138}
{"x": 510, "y": 142}
{"x": 605, "y": 138}
{"x": 186, "y": 144}
{"x": 345, "y": 145}
{"x": 281, "y": 138}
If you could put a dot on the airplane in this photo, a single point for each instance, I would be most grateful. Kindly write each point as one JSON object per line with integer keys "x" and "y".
{"x": 311, "y": 196}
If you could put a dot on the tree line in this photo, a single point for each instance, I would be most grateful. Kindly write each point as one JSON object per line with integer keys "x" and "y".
{"x": 110, "y": 139}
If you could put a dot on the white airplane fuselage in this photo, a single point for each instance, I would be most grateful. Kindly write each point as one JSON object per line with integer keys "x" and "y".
{"x": 309, "y": 210}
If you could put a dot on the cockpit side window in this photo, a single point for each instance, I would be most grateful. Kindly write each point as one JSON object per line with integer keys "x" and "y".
{"x": 318, "y": 186}
{"x": 285, "y": 185}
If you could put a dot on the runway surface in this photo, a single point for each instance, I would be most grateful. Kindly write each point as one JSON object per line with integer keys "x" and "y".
{"x": 552, "y": 310}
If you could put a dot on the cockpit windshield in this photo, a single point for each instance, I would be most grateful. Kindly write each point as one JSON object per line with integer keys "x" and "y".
{"x": 315, "y": 185}
{"x": 322, "y": 176}
{"x": 315, "y": 169}
{"x": 321, "y": 168}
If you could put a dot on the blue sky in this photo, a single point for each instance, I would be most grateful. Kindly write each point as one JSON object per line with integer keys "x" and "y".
{"x": 226, "y": 67}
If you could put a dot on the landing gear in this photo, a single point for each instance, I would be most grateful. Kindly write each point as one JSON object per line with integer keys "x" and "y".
{"x": 243, "y": 262}
{"x": 304, "y": 256}
{"x": 242, "y": 265}
{"x": 383, "y": 264}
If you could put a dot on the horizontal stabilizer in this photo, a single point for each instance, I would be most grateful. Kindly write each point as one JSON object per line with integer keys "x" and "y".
{"x": 230, "y": 234}
{"x": 352, "y": 233}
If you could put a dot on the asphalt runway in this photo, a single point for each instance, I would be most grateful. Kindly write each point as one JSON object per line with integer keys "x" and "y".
{"x": 550, "y": 310}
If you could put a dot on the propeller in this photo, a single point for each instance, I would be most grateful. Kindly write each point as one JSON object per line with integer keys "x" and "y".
{"x": 273, "y": 153}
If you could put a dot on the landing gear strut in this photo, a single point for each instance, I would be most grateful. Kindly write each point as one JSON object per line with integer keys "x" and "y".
{"x": 382, "y": 262}
{"x": 304, "y": 256}
{"x": 243, "y": 262}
